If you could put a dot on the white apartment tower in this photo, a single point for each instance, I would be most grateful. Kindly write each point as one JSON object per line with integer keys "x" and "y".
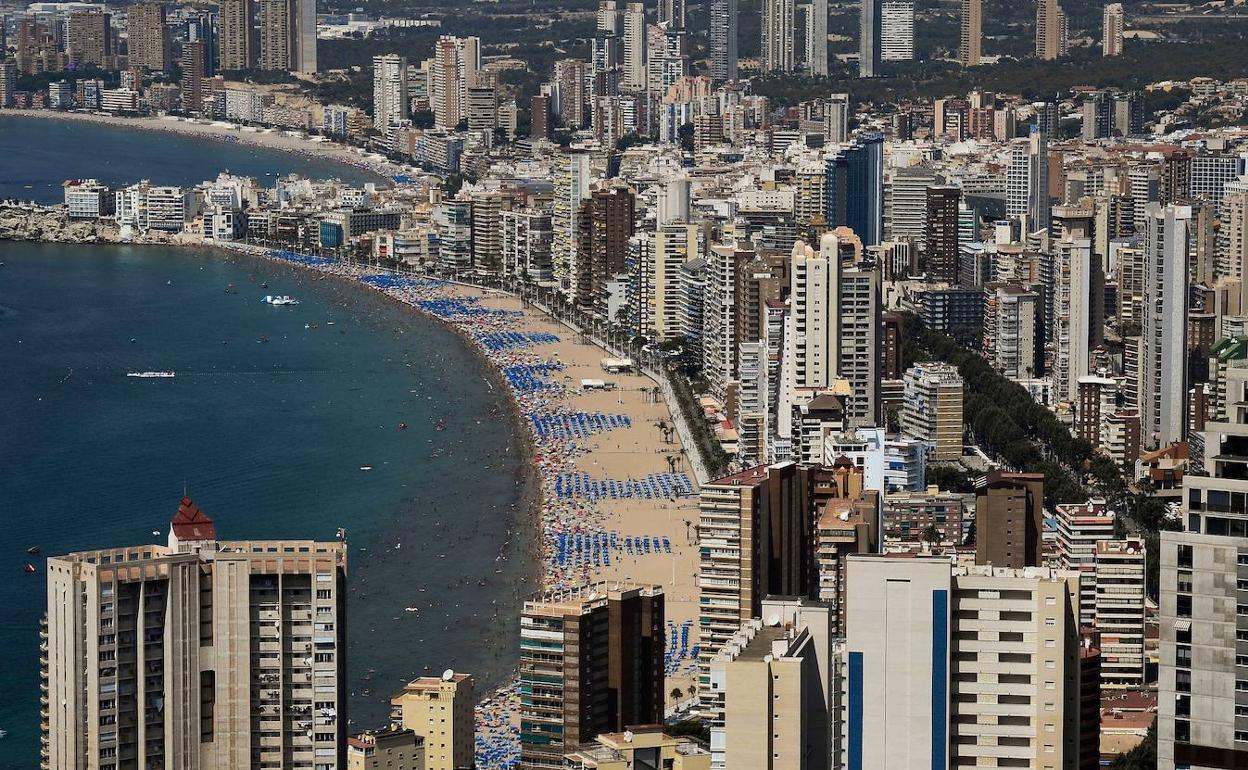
{"x": 724, "y": 39}
{"x": 897, "y": 30}
{"x": 634, "y": 48}
{"x": 1163, "y": 335}
{"x": 777, "y": 45}
{"x": 389, "y": 90}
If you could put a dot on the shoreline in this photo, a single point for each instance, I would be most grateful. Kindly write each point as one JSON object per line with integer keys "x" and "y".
{"x": 578, "y": 525}
{"x": 268, "y": 139}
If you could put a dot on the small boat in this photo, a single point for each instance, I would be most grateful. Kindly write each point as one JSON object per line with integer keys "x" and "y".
{"x": 33, "y": 550}
{"x": 230, "y": 289}
{"x": 263, "y": 339}
{"x": 264, "y": 285}
{"x": 279, "y": 300}
{"x": 439, "y": 426}
{"x": 152, "y": 375}
{"x": 366, "y": 467}
{"x": 28, "y": 569}
{"x": 402, "y": 426}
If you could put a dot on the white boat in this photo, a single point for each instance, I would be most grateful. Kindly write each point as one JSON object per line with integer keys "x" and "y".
{"x": 151, "y": 375}
{"x": 279, "y": 299}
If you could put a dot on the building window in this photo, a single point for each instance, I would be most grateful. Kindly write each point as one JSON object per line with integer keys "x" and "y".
{"x": 1183, "y": 606}
{"x": 1182, "y": 731}
{"x": 1185, "y": 555}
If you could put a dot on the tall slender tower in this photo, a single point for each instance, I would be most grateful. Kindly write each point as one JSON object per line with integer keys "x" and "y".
{"x": 1114, "y": 23}
{"x": 777, "y": 50}
{"x": 869, "y": 39}
{"x": 971, "y": 35}
{"x": 817, "y": 38}
{"x": 1050, "y": 30}
{"x": 304, "y": 47}
{"x": 1163, "y": 334}
{"x": 634, "y": 48}
{"x": 389, "y": 90}
{"x": 724, "y": 39}
{"x": 276, "y": 34}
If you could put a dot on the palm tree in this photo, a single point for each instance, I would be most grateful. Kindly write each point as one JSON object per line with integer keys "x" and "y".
{"x": 676, "y": 694}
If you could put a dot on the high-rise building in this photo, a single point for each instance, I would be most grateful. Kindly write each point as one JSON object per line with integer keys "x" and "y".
{"x": 389, "y": 90}
{"x": 1163, "y": 335}
{"x": 197, "y": 653}
{"x": 571, "y": 186}
{"x": 203, "y": 28}
{"x": 817, "y": 38}
{"x": 539, "y": 117}
{"x": 1202, "y": 613}
{"x": 633, "y": 51}
{"x": 1080, "y": 527}
{"x": 1013, "y": 336}
{"x": 591, "y": 662}
{"x": 832, "y": 331}
{"x": 940, "y": 660}
{"x": 1231, "y": 253}
{"x": 672, "y": 13}
{"x": 1027, "y": 180}
{"x": 1009, "y": 520}
{"x": 855, "y": 188}
{"x": 440, "y": 710}
{"x": 1119, "y": 611}
{"x": 970, "y": 33}
{"x": 237, "y": 39}
{"x": 148, "y": 41}
{"x": 89, "y": 38}
{"x": 1113, "y": 25}
{"x": 941, "y": 233}
{"x": 932, "y": 410}
{"x": 1076, "y": 271}
{"x": 303, "y": 47}
{"x": 723, "y": 39}
{"x": 277, "y": 34}
{"x": 869, "y": 23}
{"x": 605, "y": 221}
{"x": 452, "y": 71}
{"x": 1051, "y": 30}
{"x": 8, "y": 83}
{"x": 754, "y": 529}
{"x": 193, "y": 65}
{"x": 571, "y": 89}
{"x": 778, "y": 37}
{"x": 896, "y": 30}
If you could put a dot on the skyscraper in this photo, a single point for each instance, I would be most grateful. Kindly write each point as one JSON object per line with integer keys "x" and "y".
{"x": 148, "y": 41}
{"x": 941, "y": 233}
{"x": 634, "y": 48}
{"x": 184, "y": 654}
{"x": 1163, "y": 333}
{"x": 855, "y": 188}
{"x": 389, "y": 90}
{"x": 1027, "y": 180}
{"x": 932, "y": 408}
{"x": 89, "y": 38}
{"x": 869, "y": 21}
{"x": 591, "y": 662}
{"x": 672, "y": 13}
{"x": 237, "y": 35}
{"x": 970, "y": 34}
{"x": 896, "y": 30}
{"x": 960, "y": 666}
{"x": 303, "y": 48}
{"x": 1051, "y": 30}
{"x": 277, "y": 34}
{"x": 777, "y": 44}
{"x": 605, "y": 222}
{"x": 1113, "y": 24}
{"x": 817, "y": 38}
{"x": 723, "y": 39}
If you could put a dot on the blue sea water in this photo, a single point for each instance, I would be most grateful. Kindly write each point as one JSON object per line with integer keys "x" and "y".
{"x": 268, "y": 437}
{"x": 37, "y": 155}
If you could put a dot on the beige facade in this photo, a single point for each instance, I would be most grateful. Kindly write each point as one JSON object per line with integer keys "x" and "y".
{"x": 386, "y": 750}
{"x": 200, "y": 654}
{"x": 440, "y": 711}
{"x": 974, "y": 666}
{"x": 932, "y": 411}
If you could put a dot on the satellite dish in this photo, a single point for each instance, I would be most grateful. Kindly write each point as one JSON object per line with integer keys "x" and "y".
{"x": 448, "y": 675}
{"x": 773, "y": 620}
{"x": 628, "y": 736}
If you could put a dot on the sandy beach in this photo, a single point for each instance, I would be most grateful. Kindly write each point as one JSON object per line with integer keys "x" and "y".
{"x": 273, "y": 138}
{"x": 618, "y": 495}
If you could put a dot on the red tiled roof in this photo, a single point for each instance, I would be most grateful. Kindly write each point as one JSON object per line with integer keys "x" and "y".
{"x": 191, "y": 523}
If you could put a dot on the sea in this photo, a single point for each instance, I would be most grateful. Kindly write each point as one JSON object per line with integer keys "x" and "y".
{"x": 268, "y": 425}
